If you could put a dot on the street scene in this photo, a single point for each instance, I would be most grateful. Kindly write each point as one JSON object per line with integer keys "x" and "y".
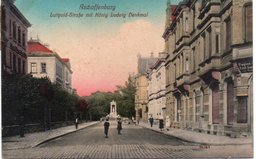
{"x": 134, "y": 142}
{"x": 127, "y": 79}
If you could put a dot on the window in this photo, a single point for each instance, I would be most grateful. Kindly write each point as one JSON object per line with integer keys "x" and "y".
{"x": 177, "y": 113}
{"x": 19, "y": 36}
{"x": 248, "y": 23}
{"x": 67, "y": 76}
{"x": 3, "y": 54}
{"x": 193, "y": 19}
{"x": 43, "y": 67}
{"x": 230, "y": 103}
{"x": 14, "y": 63}
{"x": 194, "y": 106}
{"x": 59, "y": 71}
{"x": 10, "y": 28}
{"x": 186, "y": 25}
{"x": 33, "y": 68}
{"x": 14, "y": 30}
{"x": 3, "y": 22}
{"x": 175, "y": 72}
{"x": 215, "y": 104}
{"x": 204, "y": 47}
{"x": 194, "y": 58}
{"x": 210, "y": 42}
{"x": 217, "y": 44}
{"x": 242, "y": 110}
{"x": 10, "y": 59}
{"x": 23, "y": 39}
{"x": 228, "y": 33}
{"x": 187, "y": 65}
{"x": 19, "y": 65}
{"x": 23, "y": 67}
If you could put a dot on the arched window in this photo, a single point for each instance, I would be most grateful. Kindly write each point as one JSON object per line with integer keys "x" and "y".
{"x": 248, "y": 22}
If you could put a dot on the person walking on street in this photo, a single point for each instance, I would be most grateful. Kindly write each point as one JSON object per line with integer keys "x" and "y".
{"x": 106, "y": 127}
{"x": 119, "y": 126}
{"x": 76, "y": 122}
{"x": 151, "y": 121}
{"x": 161, "y": 125}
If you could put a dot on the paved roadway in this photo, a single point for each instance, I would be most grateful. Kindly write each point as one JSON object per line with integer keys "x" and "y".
{"x": 135, "y": 142}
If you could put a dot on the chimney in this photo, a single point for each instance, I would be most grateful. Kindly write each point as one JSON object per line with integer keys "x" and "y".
{"x": 152, "y": 55}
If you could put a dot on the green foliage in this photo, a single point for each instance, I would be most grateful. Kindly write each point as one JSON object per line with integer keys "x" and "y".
{"x": 99, "y": 102}
{"x": 23, "y": 95}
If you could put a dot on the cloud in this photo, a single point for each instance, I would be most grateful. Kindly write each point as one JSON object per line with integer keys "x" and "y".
{"x": 100, "y": 61}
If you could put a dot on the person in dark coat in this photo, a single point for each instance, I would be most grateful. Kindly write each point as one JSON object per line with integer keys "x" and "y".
{"x": 76, "y": 122}
{"x": 106, "y": 127}
{"x": 151, "y": 121}
{"x": 119, "y": 126}
{"x": 161, "y": 125}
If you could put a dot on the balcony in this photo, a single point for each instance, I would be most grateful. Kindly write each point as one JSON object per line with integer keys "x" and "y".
{"x": 208, "y": 69}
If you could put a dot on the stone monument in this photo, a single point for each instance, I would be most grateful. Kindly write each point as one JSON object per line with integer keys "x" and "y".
{"x": 113, "y": 113}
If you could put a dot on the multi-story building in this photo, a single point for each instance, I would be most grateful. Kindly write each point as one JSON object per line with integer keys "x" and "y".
{"x": 13, "y": 38}
{"x": 209, "y": 66}
{"x": 156, "y": 89}
{"x": 43, "y": 62}
{"x": 141, "y": 83}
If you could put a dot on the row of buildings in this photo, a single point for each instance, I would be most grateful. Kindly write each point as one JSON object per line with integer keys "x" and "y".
{"x": 203, "y": 81}
{"x": 20, "y": 56}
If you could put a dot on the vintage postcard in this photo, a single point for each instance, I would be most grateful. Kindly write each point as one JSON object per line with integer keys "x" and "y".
{"x": 127, "y": 79}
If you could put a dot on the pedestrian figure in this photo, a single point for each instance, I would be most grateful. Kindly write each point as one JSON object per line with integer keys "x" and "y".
{"x": 76, "y": 122}
{"x": 161, "y": 125}
{"x": 151, "y": 121}
{"x": 119, "y": 126}
{"x": 106, "y": 127}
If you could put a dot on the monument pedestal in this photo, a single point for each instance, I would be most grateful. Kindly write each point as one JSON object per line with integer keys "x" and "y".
{"x": 113, "y": 112}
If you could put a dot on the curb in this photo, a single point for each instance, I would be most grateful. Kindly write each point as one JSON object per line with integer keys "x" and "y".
{"x": 195, "y": 142}
{"x": 55, "y": 137}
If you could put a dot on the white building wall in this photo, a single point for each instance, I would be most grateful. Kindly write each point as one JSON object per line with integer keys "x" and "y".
{"x": 157, "y": 99}
{"x": 50, "y": 67}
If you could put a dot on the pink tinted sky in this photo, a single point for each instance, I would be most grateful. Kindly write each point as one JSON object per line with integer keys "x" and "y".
{"x": 102, "y": 51}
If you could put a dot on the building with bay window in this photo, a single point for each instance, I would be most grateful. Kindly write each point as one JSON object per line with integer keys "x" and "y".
{"x": 13, "y": 38}
{"x": 209, "y": 78}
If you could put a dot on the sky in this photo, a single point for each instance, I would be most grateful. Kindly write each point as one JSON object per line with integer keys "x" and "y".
{"x": 102, "y": 51}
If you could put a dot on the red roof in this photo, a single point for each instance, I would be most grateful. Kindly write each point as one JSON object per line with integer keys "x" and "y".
{"x": 35, "y": 46}
{"x": 65, "y": 59}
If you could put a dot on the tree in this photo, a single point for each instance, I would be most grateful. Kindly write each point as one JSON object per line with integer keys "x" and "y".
{"x": 126, "y": 98}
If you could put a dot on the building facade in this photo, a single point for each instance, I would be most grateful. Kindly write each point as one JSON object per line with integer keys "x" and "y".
{"x": 209, "y": 66}
{"x": 156, "y": 89}
{"x": 43, "y": 62}
{"x": 13, "y": 39}
{"x": 141, "y": 83}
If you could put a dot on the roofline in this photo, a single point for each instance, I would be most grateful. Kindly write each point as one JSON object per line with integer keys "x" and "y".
{"x": 36, "y": 54}
{"x": 20, "y": 15}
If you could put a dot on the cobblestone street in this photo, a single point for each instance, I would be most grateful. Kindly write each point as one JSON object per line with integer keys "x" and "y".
{"x": 135, "y": 142}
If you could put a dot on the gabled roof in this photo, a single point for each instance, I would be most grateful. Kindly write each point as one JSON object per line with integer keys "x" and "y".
{"x": 36, "y": 46}
{"x": 144, "y": 64}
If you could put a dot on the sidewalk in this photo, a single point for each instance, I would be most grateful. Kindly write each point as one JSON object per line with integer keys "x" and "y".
{"x": 201, "y": 138}
{"x": 37, "y": 138}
